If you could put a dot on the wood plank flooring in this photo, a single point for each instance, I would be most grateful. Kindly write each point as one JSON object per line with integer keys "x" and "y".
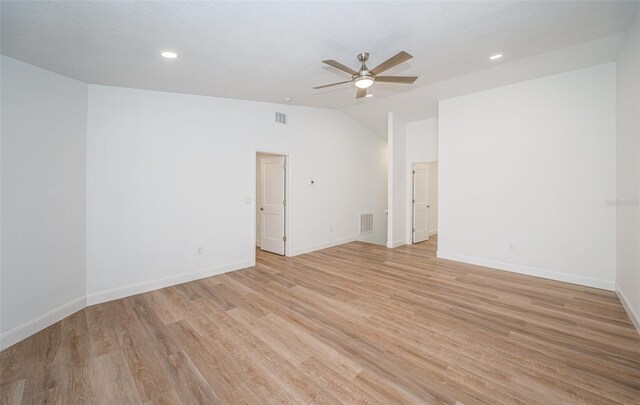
{"x": 357, "y": 323}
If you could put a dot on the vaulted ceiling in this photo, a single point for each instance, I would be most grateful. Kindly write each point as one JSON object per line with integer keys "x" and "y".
{"x": 266, "y": 51}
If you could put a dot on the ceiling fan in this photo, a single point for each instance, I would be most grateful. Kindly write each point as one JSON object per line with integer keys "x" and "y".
{"x": 365, "y": 77}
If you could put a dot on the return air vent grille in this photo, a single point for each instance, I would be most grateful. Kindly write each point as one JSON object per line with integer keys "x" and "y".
{"x": 366, "y": 223}
{"x": 281, "y": 118}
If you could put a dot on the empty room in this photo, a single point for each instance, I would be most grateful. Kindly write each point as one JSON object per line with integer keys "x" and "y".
{"x": 331, "y": 202}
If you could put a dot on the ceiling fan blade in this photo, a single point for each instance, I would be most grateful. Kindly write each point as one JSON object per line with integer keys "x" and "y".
{"x": 361, "y": 93}
{"x": 391, "y": 62}
{"x": 396, "y": 79}
{"x": 332, "y": 84}
{"x": 340, "y": 66}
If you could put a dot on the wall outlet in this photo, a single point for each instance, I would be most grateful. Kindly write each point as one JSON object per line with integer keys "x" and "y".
{"x": 511, "y": 246}
{"x": 199, "y": 251}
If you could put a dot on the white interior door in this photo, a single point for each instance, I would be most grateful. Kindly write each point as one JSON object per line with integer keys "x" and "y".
{"x": 272, "y": 219}
{"x": 420, "y": 202}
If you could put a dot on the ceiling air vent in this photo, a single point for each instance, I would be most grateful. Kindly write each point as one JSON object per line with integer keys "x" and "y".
{"x": 366, "y": 223}
{"x": 281, "y": 118}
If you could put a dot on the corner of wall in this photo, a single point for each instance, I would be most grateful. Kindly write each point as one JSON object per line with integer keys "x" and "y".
{"x": 21, "y": 332}
{"x": 628, "y": 171}
{"x": 139, "y": 288}
{"x": 633, "y": 315}
{"x": 61, "y": 105}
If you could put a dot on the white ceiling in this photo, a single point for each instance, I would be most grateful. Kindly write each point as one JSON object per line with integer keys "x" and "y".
{"x": 422, "y": 102}
{"x": 266, "y": 51}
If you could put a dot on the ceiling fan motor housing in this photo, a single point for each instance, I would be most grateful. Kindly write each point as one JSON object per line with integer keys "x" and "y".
{"x": 363, "y": 79}
{"x": 364, "y": 70}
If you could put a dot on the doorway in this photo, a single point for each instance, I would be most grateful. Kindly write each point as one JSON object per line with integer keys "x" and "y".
{"x": 271, "y": 200}
{"x": 424, "y": 203}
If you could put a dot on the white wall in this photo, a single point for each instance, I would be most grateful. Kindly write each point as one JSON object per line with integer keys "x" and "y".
{"x": 422, "y": 141}
{"x": 43, "y": 198}
{"x": 422, "y": 146}
{"x": 532, "y": 164}
{"x": 170, "y": 172}
{"x": 397, "y": 143}
{"x": 628, "y": 172}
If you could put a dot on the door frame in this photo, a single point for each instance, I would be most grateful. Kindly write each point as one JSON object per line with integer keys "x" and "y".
{"x": 287, "y": 196}
{"x": 413, "y": 199}
{"x": 409, "y": 199}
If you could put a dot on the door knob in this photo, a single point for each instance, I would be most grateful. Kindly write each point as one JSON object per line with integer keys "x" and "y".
{"x": 261, "y": 208}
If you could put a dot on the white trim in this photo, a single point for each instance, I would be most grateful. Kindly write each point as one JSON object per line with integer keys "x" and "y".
{"x": 324, "y": 245}
{"x": 633, "y": 315}
{"x": 395, "y": 244}
{"x": 390, "y": 190}
{"x": 287, "y": 207}
{"x": 21, "y": 332}
{"x": 409, "y": 197}
{"x": 33, "y": 326}
{"x": 139, "y": 288}
{"x": 531, "y": 271}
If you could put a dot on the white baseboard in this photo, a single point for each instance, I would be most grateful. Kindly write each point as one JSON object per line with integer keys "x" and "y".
{"x": 139, "y": 288}
{"x": 27, "y": 329}
{"x": 324, "y": 245}
{"x": 433, "y": 232}
{"x": 13, "y": 336}
{"x": 633, "y": 315}
{"x": 396, "y": 243}
{"x": 531, "y": 271}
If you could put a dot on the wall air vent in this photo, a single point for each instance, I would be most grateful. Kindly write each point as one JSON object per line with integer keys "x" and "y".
{"x": 366, "y": 223}
{"x": 281, "y": 118}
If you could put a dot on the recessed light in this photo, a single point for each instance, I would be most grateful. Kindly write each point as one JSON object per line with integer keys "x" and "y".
{"x": 369, "y": 95}
{"x": 169, "y": 55}
{"x": 496, "y": 56}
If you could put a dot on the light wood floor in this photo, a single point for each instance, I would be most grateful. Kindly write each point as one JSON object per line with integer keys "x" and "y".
{"x": 356, "y": 323}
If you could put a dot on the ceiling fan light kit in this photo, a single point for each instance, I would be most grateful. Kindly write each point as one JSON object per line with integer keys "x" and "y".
{"x": 365, "y": 77}
{"x": 363, "y": 82}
